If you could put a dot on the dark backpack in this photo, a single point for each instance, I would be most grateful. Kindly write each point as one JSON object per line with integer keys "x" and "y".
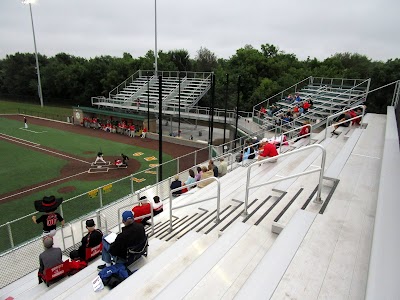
{"x": 114, "y": 275}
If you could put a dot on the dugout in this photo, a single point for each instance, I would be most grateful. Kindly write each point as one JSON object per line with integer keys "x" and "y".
{"x": 81, "y": 114}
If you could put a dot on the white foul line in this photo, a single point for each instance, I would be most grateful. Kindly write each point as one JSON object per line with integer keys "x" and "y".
{"x": 37, "y": 147}
{"x": 32, "y": 130}
{"x": 10, "y": 136}
{"x": 42, "y": 185}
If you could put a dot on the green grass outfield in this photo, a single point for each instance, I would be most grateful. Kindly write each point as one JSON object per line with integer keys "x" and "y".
{"x": 34, "y": 167}
{"x": 10, "y": 107}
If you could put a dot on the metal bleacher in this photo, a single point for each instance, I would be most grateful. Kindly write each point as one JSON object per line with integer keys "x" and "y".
{"x": 322, "y": 250}
{"x": 141, "y": 90}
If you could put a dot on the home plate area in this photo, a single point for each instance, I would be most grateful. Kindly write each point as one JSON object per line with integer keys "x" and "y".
{"x": 104, "y": 167}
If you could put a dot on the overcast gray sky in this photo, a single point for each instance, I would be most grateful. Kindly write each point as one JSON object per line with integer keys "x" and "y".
{"x": 314, "y": 28}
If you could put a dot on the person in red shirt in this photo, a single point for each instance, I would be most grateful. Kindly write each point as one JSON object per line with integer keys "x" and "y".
{"x": 144, "y": 132}
{"x": 306, "y": 106}
{"x": 145, "y": 209}
{"x": 304, "y": 132}
{"x": 269, "y": 150}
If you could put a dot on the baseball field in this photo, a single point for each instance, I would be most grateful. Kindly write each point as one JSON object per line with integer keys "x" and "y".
{"x": 56, "y": 158}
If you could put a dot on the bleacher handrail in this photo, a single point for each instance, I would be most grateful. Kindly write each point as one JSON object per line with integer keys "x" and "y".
{"x": 320, "y": 170}
{"x": 199, "y": 201}
{"x": 345, "y": 121}
{"x": 151, "y": 214}
{"x": 131, "y": 78}
{"x": 282, "y": 93}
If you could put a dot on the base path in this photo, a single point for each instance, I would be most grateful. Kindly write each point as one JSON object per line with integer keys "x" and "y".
{"x": 76, "y": 167}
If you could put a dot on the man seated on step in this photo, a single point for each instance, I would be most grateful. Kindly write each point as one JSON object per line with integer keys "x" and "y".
{"x": 91, "y": 239}
{"x": 99, "y": 158}
{"x": 268, "y": 150}
{"x": 342, "y": 117}
{"x": 132, "y": 236}
{"x": 50, "y": 257}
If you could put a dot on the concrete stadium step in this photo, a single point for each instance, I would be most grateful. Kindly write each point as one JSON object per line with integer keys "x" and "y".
{"x": 337, "y": 165}
{"x": 268, "y": 273}
{"x": 84, "y": 286}
{"x": 140, "y": 278}
{"x": 194, "y": 272}
{"x": 170, "y": 270}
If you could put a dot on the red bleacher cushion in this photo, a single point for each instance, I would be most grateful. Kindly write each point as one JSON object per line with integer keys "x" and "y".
{"x": 94, "y": 251}
{"x": 57, "y": 271}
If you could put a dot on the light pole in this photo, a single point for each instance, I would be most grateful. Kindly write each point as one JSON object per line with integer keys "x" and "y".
{"x": 155, "y": 42}
{"x": 36, "y": 55}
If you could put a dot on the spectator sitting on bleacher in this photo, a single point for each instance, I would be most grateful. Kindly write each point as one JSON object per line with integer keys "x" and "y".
{"x": 297, "y": 98}
{"x": 213, "y": 167}
{"x": 289, "y": 98}
{"x": 144, "y": 209}
{"x": 175, "y": 184}
{"x": 223, "y": 167}
{"x": 342, "y": 118}
{"x": 191, "y": 179}
{"x": 268, "y": 150}
{"x": 91, "y": 239}
{"x": 306, "y": 106}
{"x": 132, "y": 236}
{"x": 249, "y": 152}
{"x": 199, "y": 172}
{"x": 206, "y": 174}
{"x": 50, "y": 257}
{"x": 304, "y": 131}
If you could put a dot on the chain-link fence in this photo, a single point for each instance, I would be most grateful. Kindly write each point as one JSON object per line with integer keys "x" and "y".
{"x": 20, "y": 257}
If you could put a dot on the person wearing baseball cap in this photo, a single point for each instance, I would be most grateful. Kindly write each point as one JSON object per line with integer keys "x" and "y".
{"x": 91, "y": 239}
{"x": 132, "y": 236}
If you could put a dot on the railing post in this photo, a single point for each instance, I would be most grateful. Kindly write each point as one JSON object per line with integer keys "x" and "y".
{"x": 132, "y": 188}
{"x": 10, "y": 234}
{"x": 195, "y": 158}
{"x": 101, "y": 197}
{"x": 217, "y": 219}
{"x": 170, "y": 211}
{"x": 321, "y": 176}
{"x": 246, "y": 198}
{"x": 177, "y": 166}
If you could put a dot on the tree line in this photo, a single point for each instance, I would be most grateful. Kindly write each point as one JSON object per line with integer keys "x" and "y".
{"x": 72, "y": 80}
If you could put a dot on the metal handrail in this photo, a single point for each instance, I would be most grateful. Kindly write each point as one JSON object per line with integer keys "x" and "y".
{"x": 281, "y": 93}
{"x": 298, "y": 128}
{"x": 123, "y": 83}
{"x": 321, "y": 170}
{"x": 348, "y": 120}
{"x": 67, "y": 236}
{"x": 192, "y": 203}
{"x": 151, "y": 214}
